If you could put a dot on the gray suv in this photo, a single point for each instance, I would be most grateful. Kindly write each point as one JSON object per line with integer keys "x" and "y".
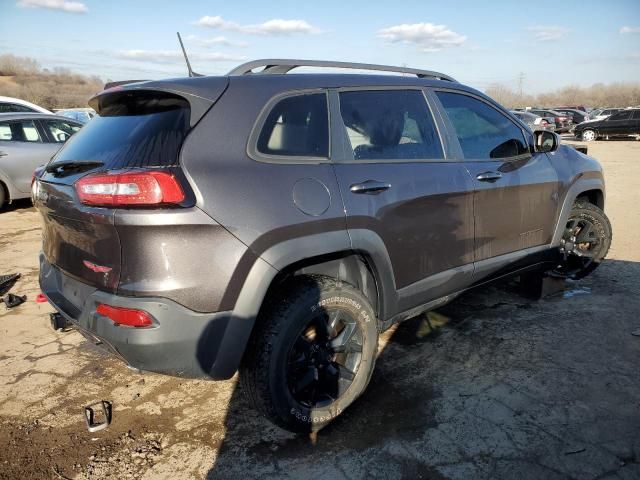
{"x": 276, "y": 223}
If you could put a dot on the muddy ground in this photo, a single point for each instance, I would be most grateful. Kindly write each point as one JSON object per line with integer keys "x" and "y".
{"x": 491, "y": 386}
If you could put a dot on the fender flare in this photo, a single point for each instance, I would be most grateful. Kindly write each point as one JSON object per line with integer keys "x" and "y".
{"x": 580, "y": 186}
{"x": 276, "y": 258}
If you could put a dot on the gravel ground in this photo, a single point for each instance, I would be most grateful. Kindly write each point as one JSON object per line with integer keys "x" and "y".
{"x": 492, "y": 386}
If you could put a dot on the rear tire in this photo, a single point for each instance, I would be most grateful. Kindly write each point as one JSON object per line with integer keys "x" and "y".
{"x": 589, "y": 135}
{"x": 311, "y": 353}
{"x": 587, "y": 239}
{"x": 3, "y": 195}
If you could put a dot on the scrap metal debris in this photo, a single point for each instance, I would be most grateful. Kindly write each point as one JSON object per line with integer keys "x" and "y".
{"x": 98, "y": 415}
{"x": 10, "y": 300}
{"x": 7, "y": 282}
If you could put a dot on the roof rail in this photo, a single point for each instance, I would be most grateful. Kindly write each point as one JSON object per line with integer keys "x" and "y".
{"x": 281, "y": 66}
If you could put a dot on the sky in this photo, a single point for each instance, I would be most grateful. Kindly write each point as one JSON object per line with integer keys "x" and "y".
{"x": 539, "y": 45}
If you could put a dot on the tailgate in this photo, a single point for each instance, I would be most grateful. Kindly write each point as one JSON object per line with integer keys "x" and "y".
{"x": 82, "y": 241}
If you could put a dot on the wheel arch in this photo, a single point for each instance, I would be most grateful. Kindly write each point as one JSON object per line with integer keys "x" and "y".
{"x": 346, "y": 266}
{"x": 5, "y": 190}
{"x": 594, "y": 196}
{"x": 590, "y": 188}
{"x": 327, "y": 253}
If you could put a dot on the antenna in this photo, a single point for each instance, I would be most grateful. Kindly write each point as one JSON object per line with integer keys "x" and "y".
{"x": 186, "y": 59}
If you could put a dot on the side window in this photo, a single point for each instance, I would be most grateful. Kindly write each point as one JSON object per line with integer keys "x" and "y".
{"x": 60, "y": 131}
{"x": 621, "y": 116}
{"x": 297, "y": 126}
{"x": 24, "y": 131}
{"x": 13, "y": 108}
{"x": 483, "y": 131}
{"x": 636, "y": 114}
{"x": 389, "y": 125}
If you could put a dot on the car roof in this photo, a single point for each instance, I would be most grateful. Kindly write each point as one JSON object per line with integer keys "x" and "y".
{"x": 33, "y": 116}
{"x": 19, "y": 101}
{"x": 202, "y": 86}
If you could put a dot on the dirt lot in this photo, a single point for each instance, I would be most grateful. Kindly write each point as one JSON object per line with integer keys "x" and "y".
{"x": 491, "y": 386}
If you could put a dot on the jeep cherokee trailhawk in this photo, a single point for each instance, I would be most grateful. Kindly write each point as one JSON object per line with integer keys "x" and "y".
{"x": 275, "y": 223}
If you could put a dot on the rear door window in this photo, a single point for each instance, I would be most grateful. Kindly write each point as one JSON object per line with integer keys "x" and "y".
{"x": 60, "y": 131}
{"x": 621, "y": 116}
{"x": 483, "y": 131}
{"x": 389, "y": 125}
{"x": 19, "y": 131}
{"x": 297, "y": 126}
{"x": 132, "y": 131}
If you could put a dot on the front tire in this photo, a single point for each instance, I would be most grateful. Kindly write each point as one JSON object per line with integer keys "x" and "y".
{"x": 586, "y": 241}
{"x": 311, "y": 354}
{"x": 589, "y": 135}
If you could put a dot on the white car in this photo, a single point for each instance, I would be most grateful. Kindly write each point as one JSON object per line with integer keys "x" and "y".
{"x": 16, "y": 105}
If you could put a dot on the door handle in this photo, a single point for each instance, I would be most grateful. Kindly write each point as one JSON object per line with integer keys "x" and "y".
{"x": 3, "y": 154}
{"x": 370, "y": 187}
{"x": 489, "y": 176}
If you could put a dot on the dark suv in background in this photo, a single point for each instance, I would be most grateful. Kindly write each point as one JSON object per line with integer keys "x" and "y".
{"x": 277, "y": 223}
{"x": 621, "y": 124}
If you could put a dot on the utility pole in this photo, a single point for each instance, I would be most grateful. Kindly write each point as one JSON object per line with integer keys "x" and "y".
{"x": 520, "y": 83}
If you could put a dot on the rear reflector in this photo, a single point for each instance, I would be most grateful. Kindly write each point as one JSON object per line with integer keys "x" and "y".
{"x": 128, "y": 317}
{"x": 129, "y": 189}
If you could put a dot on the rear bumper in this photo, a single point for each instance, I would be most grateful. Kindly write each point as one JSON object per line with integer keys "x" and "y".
{"x": 182, "y": 343}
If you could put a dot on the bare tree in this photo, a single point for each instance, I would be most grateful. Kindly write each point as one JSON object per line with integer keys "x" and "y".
{"x": 23, "y": 77}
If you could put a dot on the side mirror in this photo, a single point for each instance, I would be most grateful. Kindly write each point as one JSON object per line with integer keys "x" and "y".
{"x": 545, "y": 141}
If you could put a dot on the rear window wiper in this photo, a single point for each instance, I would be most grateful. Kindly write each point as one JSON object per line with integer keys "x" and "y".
{"x": 72, "y": 165}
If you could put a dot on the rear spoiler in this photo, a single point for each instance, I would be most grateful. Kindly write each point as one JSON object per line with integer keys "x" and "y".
{"x": 109, "y": 85}
{"x": 200, "y": 92}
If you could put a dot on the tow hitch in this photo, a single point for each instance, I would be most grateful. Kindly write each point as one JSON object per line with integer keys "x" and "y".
{"x": 59, "y": 323}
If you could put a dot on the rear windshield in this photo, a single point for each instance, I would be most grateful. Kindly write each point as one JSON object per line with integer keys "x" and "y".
{"x": 132, "y": 130}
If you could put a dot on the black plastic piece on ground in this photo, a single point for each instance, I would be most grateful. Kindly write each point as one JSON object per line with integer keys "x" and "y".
{"x": 58, "y": 322}
{"x": 10, "y": 300}
{"x": 8, "y": 281}
{"x": 537, "y": 286}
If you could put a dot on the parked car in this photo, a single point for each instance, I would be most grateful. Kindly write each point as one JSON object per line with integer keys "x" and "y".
{"x": 577, "y": 116}
{"x": 623, "y": 123}
{"x": 603, "y": 113}
{"x": 16, "y": 105}
{"x": 563, "y": 122}
{"x": 535, "y": 122}
{"x": 277, "y": 223}
{"x": 581, "y": 108}
{"x": 82, "y": 115}
{"x": 28, "y": 140}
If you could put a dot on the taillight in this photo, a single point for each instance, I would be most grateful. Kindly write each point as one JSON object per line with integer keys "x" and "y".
{"x": 129, "y": 189}
{"x": 127, "y": 317}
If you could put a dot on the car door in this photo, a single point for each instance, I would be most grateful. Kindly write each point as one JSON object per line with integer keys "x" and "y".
{"x": 22, "y": 150}
{"x": 619, "y": 123}
{"x": 516, "y": 191}
{"x": 59, "y": 131}
{"x": 636, "y": 122}
{"x": 401, "y": 191}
